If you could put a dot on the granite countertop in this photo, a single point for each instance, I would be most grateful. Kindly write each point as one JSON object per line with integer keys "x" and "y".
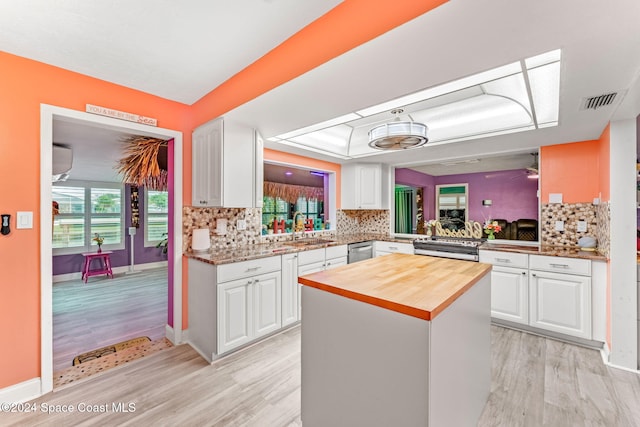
{"x": 418, "y": 286}
{"x": 263, "y": 250}
{"x": 559, "y": 251}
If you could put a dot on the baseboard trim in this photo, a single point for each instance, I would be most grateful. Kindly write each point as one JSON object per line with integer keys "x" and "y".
{"x": 21, "y": 392}
{"x": 116, "y": 270}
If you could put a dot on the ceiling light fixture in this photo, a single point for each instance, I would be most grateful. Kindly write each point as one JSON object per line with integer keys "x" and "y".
{"x": 398, "y": 135}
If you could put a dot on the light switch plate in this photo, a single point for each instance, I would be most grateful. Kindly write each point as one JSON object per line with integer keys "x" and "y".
{"x": 559, "y": 225}
{"x": 582, "y": 226}
{"x": 555, "y": 197}
{"x": 24, "y": 220}
{"x": 241, "y": 224}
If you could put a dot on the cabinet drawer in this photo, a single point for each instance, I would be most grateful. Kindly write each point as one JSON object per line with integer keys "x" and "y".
{"x": 242, "y": 269}
{"x": 560, "y": 265}
{"x": 309, "y": 257}
{"x": 336, "y": 251}
{"x": 403, "y": 248}
{"x": 505, "y": 259}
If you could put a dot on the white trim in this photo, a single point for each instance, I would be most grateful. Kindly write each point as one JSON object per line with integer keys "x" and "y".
{"x": 623, "y": 262}
{"x": 116, "y": 270}
{"x": 21, "y": 392}
{"x": 47, "y": 113}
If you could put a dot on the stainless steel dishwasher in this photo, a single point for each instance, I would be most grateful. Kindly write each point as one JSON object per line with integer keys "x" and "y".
{"x": 359, "y": 251}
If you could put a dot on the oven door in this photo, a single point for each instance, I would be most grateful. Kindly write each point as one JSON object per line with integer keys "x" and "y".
{"x": 445, "y": 254}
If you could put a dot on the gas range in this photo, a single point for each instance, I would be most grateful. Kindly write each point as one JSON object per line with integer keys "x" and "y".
{"x": 448, "y": 247}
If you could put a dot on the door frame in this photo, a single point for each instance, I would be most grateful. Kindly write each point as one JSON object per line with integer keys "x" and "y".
{"x": 47, "y": 115}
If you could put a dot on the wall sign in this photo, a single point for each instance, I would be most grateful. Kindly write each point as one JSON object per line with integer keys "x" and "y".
{"x": 103, "y": 111}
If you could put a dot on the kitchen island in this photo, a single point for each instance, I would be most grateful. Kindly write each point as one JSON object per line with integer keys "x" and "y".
{"x": 397, "y": 340}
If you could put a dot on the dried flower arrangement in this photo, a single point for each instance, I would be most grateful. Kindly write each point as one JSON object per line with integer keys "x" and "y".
{"x": 139, "y": 166}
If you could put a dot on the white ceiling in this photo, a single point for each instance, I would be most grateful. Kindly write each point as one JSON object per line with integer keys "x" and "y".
{"x": 178, "y": 50}
{"x": 131, "y": 44}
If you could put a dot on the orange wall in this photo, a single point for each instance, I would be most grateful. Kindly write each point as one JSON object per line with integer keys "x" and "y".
{"x": 24, "y": 85}
{"x": 604, "y": 162}
{"x": 571, "y": 169}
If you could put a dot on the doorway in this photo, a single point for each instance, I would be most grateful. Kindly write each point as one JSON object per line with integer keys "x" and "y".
{"x": 48, "y": 114}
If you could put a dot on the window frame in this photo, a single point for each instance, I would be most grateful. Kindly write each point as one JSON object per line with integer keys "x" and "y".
{"x": 147, "y": 215}
{"x": 88, "y": 215}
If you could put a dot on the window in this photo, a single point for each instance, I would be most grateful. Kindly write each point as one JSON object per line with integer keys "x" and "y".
{"x": 451, "y": 209}
{"x": 310, "y": 208}
{"x": 156, "y": 224}
{"x": 84, "y": 210}
{"x": 280, "y": 209}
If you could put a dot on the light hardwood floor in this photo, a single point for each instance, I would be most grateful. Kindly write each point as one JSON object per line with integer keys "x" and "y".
{"x": 535, "y": 382}
{"x": 104, "y": 311}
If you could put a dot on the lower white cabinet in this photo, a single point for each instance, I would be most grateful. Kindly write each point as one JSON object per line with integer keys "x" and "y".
{"x": 290, "y": 287}
{"x": 317, "y": 260}
{"x": 248, "y": 309}
{"x": 545, "y": 292}
{"x": 510, "y": 294}
{"x": 560, "y": 303}
{"x": 385, "y": 248}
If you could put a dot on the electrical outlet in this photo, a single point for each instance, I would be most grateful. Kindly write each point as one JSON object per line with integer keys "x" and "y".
{"x": 582, "y": 226}
{"x": 241, "y": 224}
{"x": 559, "y": 225}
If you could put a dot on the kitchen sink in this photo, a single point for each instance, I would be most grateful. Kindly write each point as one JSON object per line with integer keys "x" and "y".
{"x": 307, "y": 242}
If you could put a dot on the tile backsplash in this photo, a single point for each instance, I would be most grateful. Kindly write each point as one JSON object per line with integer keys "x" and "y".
{"x": 347, "y": 221}
{"x": 362, "y": 221}
{"x": 193, "y": 217}
{"x": 596, "y": 217}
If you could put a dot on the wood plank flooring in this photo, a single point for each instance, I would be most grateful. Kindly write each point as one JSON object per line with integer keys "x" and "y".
{"x": 105, "y": 311}
{"x": 535, "y": 382}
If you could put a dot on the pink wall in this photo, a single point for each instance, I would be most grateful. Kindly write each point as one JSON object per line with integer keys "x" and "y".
{"x": 512, "y": 193}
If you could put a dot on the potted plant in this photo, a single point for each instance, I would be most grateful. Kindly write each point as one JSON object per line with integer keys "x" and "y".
{"x": 164, "y": 244}
{"x": 99, "y": 240}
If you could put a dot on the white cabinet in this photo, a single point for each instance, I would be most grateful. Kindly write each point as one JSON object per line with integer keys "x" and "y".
{"x": 510, "y": 294}
{"x": 362, "y": 186}
{"x": 560, "y": 303}
{"x": 545, "y": 292}
{"x": 234, "y": 315}
{"x": 290, "y": 287}
{"x": 248, "y": 302}
{"x": 227, "y": 165}
{"x": 509, "y": 285}
{"x": 317, "y": 260}
{"x": 385, "y": 248}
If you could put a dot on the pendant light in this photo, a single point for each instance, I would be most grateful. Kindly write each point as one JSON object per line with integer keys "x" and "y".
{"x": 398, "y": 135}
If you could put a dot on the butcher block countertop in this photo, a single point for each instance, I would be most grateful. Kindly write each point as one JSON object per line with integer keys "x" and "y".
{"x": 415, "y": 285}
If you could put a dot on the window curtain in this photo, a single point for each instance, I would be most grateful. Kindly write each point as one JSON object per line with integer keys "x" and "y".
{"x": 404, "y": 200}
{"x": 291, "y": 193}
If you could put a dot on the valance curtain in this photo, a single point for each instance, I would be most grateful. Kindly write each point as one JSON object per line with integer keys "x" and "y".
{"x": 291, "y": 193}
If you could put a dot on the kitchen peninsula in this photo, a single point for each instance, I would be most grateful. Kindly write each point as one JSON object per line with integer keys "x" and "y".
{"x": 398, "y": 340}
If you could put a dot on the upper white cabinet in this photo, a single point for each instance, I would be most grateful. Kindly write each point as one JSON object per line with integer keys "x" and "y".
{"x": 364, "y": 186}
{"x": 227, "y": 165}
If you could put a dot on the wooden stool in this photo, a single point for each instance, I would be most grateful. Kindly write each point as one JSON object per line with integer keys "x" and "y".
{"x": 105, "y": 264}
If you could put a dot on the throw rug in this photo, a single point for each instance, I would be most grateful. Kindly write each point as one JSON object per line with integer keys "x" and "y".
{"x": 110, "y": 349}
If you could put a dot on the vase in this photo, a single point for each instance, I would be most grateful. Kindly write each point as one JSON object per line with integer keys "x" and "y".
{"x": 491, "y": 236}
{"x": 99, "y": 248}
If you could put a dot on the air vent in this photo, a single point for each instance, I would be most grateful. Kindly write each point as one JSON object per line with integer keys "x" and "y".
{"x": 595, "y": 102}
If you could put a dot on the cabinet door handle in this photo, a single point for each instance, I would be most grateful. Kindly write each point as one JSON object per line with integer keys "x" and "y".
{"x": 507, "y": 260}
{"x": 252, "y": 269}
{"x": 533, "y": 274}
{"x": 559, "y": 265}
{"x": 524, "y": 273}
